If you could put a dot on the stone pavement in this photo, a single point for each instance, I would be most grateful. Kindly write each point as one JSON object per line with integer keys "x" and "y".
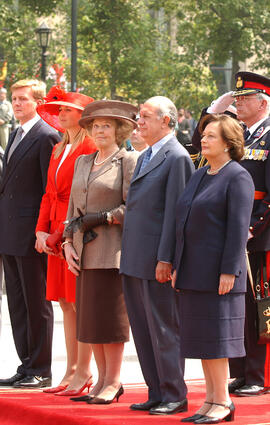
{"x": 131, "y": 372}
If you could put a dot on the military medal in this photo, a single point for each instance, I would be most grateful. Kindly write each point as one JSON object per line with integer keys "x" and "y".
{"x": 261, "y": 154}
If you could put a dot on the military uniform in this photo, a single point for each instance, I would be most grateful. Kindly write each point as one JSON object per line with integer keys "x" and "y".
{"x": 6, "y": 114}
{"x": 255, "y": 367}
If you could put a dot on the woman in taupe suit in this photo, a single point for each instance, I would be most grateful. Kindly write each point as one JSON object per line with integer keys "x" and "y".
{"x": 93, "y": 241}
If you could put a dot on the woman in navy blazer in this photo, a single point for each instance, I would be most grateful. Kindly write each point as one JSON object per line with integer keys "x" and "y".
{"x": 213, "y": 217}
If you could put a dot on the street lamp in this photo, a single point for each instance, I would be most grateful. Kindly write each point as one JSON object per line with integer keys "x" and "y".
{"x": 43, "y": 37}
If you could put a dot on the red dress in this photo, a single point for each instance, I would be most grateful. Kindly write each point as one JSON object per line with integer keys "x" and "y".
{"x": 61, "y": 283}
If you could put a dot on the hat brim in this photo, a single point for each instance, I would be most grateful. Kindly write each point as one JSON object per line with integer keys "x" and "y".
{"x": 49, "y": 112}
{"x": 85, "y": 121}
{"x": 246, "y": 92}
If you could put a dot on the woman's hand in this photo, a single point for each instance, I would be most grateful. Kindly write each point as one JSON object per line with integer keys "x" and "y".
{"x": 41, "y": 245}
{"x": 72, "y": 259}
{"x": 226, "y": 283}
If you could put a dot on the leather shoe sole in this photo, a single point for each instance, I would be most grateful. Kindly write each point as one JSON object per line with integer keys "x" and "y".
{"x": 144, "y": 406}
{"x": 170, "y": 408}
{"x": 33, "y": 382}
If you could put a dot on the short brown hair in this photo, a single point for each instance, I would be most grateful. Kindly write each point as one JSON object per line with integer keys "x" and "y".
{"x": 231, "y": 132}
{"x": 38, "y": 87}
{"x": 123, "y": 129}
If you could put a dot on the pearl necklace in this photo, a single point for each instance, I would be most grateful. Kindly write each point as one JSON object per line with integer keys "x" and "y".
{"x": 102, "y": 162}
{"x": 212, "y": 173}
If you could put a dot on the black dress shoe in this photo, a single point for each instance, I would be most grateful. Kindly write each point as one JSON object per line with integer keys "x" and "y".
{"x": 192, "y": 418}
{"x": 235, "y": 384}
{"x": 10, "y": 381}
{"x": 215, "y": 420}
{"x": 251, "y": 390}
{"x": 170, "y": 408}
{"x": 33, "y": 382}
{"x": 144, "y": 406}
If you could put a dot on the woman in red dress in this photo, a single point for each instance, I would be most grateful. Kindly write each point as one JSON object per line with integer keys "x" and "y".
{"x": 62, "y": 111}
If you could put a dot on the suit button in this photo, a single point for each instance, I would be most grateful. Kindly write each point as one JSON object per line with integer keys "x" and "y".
{"x": 10, "y": 217}
{"x": 10, "y": 196}
{"x": 16, "y": 177}
{"x": 84, "y": 190}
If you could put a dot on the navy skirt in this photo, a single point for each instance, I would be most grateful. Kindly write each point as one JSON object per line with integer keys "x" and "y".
{"x": 211, "y": 325}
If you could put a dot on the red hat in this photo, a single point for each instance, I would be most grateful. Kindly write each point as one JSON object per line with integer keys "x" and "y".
{"x": 57, "y": 97}
{"x": 250, "y": 83}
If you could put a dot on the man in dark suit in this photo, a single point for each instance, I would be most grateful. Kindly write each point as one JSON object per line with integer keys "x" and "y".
{"x": 23, "y": 183}
{"x": 147, "y": 253}
{"x": 253, "y": 104}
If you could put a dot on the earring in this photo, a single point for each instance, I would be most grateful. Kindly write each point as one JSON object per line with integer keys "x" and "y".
{"x": 226, "y": 150}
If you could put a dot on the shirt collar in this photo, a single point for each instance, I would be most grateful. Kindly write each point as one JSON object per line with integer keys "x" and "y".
{"x": 158, "y": 145}
{"x": 256, "y": 125}
{"x": 29, "y": 124}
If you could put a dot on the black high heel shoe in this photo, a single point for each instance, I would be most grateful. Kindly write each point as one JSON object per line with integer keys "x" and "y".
{"x": 82, "y": 398}
{"x": 195, "y": 416}
{"x": 98, "y": 400}
{"x": 215, "y": 420}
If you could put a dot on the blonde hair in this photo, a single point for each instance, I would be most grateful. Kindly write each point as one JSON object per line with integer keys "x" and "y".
{"x": 38, "y": 87}
{"x": 231, "y": 133}
{"x": 79, "y": 138}
{"x": 123, "y": 129}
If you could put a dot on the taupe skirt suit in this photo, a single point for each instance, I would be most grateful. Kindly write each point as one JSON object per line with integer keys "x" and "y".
{"x": 101, "y": 310}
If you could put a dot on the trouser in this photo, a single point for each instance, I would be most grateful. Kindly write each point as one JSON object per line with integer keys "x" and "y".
{"x": 153, "y": 315}
{"x": 31, "y": 315}
{"x": 255, "y": 366}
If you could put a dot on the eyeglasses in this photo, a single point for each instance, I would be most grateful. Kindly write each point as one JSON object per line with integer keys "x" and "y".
{"x": 245, "y": 98}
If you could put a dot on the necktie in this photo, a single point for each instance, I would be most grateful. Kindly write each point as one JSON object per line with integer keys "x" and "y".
{"x": 246, "y": 134}
{"x": 146, "y": 158}
{"x": 15, "y": 142}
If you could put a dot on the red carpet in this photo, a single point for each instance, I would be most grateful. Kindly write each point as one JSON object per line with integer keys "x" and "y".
{"x": 36, "y": 408}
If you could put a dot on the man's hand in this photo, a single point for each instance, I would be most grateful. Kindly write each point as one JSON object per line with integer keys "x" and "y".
{"x": 174, "y": 276}
{"x": 163, "y": 272}
{"x": 226, "y": 283}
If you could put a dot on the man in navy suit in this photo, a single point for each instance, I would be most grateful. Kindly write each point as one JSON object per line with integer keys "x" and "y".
{"x": 253, "y": 105}
{"x": 23, "y": 183}
{"x": 147, "y": 254}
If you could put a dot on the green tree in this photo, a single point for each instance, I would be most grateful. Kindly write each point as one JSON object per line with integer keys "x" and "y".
{"x": 213, "y": 32}
{"x": 124, "y": 51}
{"x": 18, "y": 45}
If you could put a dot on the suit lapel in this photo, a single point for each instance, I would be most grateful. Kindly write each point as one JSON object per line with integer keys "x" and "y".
{"x": 105, "y": 168}
{"x": 190, "y": 193}
{"x": 26, "y": 143}
{"x": 155, "y": 162}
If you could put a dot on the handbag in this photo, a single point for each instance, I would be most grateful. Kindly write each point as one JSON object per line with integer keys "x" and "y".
{"x": 54, "y": 240}
{"x": 262, "y": 300}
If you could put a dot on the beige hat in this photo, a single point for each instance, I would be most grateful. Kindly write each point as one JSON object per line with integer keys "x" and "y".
{"x": 108, "y": 109}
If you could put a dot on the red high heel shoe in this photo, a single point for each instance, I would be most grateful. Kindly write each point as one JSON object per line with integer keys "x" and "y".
{"x": 54, "y": 390}
{"x": 73, "y": 393}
